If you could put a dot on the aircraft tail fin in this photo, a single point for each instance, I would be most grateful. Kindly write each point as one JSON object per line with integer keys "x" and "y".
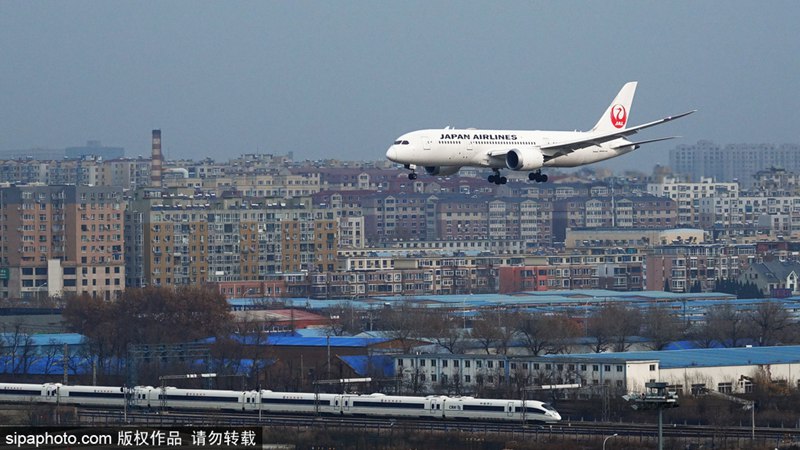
{"x": 616, "y": 116}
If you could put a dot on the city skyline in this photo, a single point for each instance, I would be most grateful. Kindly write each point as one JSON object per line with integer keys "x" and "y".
{"x": 342, "y": 80}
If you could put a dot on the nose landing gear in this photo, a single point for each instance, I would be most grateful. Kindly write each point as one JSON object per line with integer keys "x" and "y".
{"x": 413, "y": 175}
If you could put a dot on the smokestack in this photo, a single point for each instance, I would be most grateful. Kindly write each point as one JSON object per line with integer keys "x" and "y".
{"x": 156, "y": 160}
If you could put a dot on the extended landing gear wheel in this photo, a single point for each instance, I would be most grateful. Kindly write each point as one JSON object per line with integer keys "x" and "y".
{"x": 537, "y": 177}
{"x": 497, "y": 179}
{"x": 412, "y": 176}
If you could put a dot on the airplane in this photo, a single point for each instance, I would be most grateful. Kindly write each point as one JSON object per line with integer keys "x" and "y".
{"x": 442, "y": 152}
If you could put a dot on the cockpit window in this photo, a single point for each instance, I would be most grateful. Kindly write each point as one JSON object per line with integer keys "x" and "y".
{"x": 397, "y": 142}
{"x": 405, "y": 142}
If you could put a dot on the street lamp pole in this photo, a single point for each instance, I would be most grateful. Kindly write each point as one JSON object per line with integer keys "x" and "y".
{"x": 607, "y": 438}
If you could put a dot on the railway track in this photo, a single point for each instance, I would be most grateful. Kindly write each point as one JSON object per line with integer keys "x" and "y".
{"x": 100, "y": 417}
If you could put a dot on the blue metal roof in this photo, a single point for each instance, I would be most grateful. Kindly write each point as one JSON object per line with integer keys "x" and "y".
{"x": 306, "y": 341}
{"x": 43, "y": 339}
{"x": 335, "y": 341}
{"x": 382, "y": 365}
{"x": 706, "y": 357}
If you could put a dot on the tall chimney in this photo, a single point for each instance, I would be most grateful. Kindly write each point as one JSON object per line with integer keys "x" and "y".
{"x": 156, "y": 160}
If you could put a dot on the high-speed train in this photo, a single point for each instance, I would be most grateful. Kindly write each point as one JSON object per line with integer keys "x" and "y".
{"x": 371, "y": 405}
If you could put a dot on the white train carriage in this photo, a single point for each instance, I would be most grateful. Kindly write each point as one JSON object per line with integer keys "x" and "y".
{"x": 297, "y": 402}
{"x": 175, "y": 398}
{"x": 87, "y": 395}
{"x": 25, "y": 393}
{"x": 497, "y": 409}
{"x": 392, "y": 405}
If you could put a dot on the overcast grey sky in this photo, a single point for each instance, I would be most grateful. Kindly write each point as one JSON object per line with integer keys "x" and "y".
{"x": 344, "y": 78}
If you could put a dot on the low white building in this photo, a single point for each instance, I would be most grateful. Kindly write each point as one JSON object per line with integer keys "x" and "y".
{"x": 728, "y": 370}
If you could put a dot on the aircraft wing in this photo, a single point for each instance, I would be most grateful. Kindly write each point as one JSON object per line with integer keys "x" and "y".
{"x": 628, "y": 144}
{"x": 563, "y": 148}
{"x": 499, "y": 152}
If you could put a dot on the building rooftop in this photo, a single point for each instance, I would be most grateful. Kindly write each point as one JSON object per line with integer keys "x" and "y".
{"x": 705, "y": 357}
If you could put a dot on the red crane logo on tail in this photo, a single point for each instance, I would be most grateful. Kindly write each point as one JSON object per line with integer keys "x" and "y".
{"x": 619, "y": 116}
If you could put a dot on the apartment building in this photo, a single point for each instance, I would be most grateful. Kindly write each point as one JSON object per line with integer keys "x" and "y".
{"x": 391, "y": 217}
{"x": 180, "y": 236}
{"x": 680, "y": 266}
{"x": 688, "y": 196}
{"x": 59, "y": 240}
{"x": 732, "y": 162}
{"x": 604, "y": 212}
{"x": 612, "y": 269}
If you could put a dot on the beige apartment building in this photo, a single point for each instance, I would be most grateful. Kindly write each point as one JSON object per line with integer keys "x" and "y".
{"x": 61, "y": 239}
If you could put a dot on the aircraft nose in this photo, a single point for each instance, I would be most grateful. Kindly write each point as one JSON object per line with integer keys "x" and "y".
{"x": 391, "y": 154}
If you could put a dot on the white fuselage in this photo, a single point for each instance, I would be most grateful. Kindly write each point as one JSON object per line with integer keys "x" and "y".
{"x": 471, "y": 147}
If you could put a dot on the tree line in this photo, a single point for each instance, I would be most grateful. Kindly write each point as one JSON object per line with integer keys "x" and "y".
{"x": 609, "y": 327}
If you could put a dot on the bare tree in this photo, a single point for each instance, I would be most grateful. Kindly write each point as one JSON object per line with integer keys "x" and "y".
{"x": 494, "y": 330}
{"x": 147, "y": 316}
{"x": 404, "y": 323}
{"x": 344, "y": 320}
{"x": 20, "y": 348}
{"x": 726, "y": 324}
{"x": 546, "y": 334}
{"x": 661, "y": 327}
{"x": 770, "y": 322}
{"x": 445, "y": 330}
{"x": 612, "y": 326}
{"x": 599, "y": 329}
{"x": 701, "y": 335}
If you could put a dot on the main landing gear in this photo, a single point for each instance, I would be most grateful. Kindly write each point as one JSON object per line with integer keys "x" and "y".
{"x": 496, "y": 178}
{"x": 538, "y": 177}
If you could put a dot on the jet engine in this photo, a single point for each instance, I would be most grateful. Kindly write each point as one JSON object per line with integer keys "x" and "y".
{"x": 524, "y": 159}
{"x": 441, "y": 170}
